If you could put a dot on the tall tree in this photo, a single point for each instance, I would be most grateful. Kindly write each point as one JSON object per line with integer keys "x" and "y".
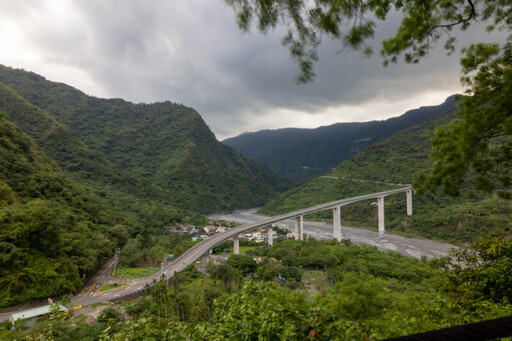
{"x": 480, "y": 139}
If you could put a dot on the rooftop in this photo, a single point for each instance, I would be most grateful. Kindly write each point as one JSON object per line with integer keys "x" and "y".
{"x": 39, "y": 311}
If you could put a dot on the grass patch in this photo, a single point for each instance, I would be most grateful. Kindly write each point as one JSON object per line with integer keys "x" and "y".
{"x": 109, "y": 286}
{"x": 134, "y": 272}
{"x": 243, "y": 250}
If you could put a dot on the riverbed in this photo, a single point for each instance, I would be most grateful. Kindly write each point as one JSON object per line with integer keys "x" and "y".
{"x": 412, "y": 247}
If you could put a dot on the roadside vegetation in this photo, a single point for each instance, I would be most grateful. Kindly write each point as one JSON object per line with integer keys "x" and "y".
{"x": 122, "y": 272}
{"x": 110, "y": 286}
{"x": 308, "y": 289}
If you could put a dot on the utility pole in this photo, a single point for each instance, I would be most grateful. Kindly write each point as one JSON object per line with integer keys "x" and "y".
{"x": 116, "y": 257}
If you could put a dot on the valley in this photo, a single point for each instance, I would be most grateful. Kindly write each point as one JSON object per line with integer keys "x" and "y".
{"x": 410, "y": 247}
{"x": 255, "y": 170}
{"x": 82, "y": 177}
{"x": 92, "y": 293}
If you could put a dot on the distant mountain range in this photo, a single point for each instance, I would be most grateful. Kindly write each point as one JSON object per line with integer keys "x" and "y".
{"x": 300, "y": 154}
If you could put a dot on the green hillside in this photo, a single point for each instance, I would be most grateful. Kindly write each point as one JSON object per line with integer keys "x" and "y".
{"x": 50, "y": 229}
{"x": 56, "y": 140}
{"x": 56, "y": 231}
{"x": 161, "y": 151}
{"x": 73, "y": 188}
{"x": 383, "y": 166}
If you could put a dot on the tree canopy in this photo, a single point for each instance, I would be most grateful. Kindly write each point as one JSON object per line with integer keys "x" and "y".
{"x": 353, "y": 22}
{"x": 479, "y": 141}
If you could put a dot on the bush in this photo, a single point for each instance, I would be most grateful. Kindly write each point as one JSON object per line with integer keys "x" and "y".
{"x": 246, "y": 264}
{"x": 109, "y": 314}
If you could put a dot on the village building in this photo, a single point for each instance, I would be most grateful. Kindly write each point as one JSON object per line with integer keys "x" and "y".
{"x": 30, "y": 316}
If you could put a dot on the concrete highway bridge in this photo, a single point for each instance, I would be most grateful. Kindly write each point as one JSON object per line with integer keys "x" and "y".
{"x": 132, "y": 288}
{"x": 202, "y": 249}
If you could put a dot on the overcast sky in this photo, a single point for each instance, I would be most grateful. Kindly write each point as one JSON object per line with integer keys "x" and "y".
{"x": 192, "y": 52}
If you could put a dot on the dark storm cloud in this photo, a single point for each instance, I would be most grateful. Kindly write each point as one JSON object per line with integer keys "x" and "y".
{"x": 191, "y": 52}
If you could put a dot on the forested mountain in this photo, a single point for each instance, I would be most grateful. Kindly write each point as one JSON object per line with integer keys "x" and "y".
{"x": 300, "y": 154}
{"x": 56, "y": 140}
{"x": 383, "y": 166}
{"x": 51, "y": 229}
{"x": 80, "y": 176}
{"x": 160, "y": 151}
{"x": 56, "y": 230}
{"x": 39, "y": 214}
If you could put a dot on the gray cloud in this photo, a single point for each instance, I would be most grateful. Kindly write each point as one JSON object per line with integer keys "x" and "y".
{"x": 191, "y": 52}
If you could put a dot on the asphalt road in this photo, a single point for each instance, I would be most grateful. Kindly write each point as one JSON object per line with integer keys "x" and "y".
{"x": 411, "y": 247}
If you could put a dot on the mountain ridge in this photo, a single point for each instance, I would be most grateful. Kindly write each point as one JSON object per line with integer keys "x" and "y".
{"x": 81, "y": 176}
{"x": 153, "y": 144}
{"x": 300, "y": 153}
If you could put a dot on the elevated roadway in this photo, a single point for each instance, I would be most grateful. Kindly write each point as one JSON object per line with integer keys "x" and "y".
{"x": 91, "y": 293}
{"x": 203, "y": 248}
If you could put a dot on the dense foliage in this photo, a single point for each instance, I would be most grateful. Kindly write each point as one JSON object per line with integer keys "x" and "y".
{"x": 360, "y": 294}
{"x": 49, "y": 230}
{"x": 301, "y": 154}
{"x": 385, "y": 165}
{"x": 54, "y": 231}
{"x": 479, "y": 141}
{"x": 481, "y": 271}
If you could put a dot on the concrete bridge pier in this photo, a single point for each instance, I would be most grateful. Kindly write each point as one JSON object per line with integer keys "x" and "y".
{"x": 299, "y": 228}
{"x": 236, "y": 245}
{"x": 206, "y": 258}
{"x": 336, "y": 222}
{"x": 270, "y": 235}
{"x": 381, "y": 218}
{"x": 409, "y": 202}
